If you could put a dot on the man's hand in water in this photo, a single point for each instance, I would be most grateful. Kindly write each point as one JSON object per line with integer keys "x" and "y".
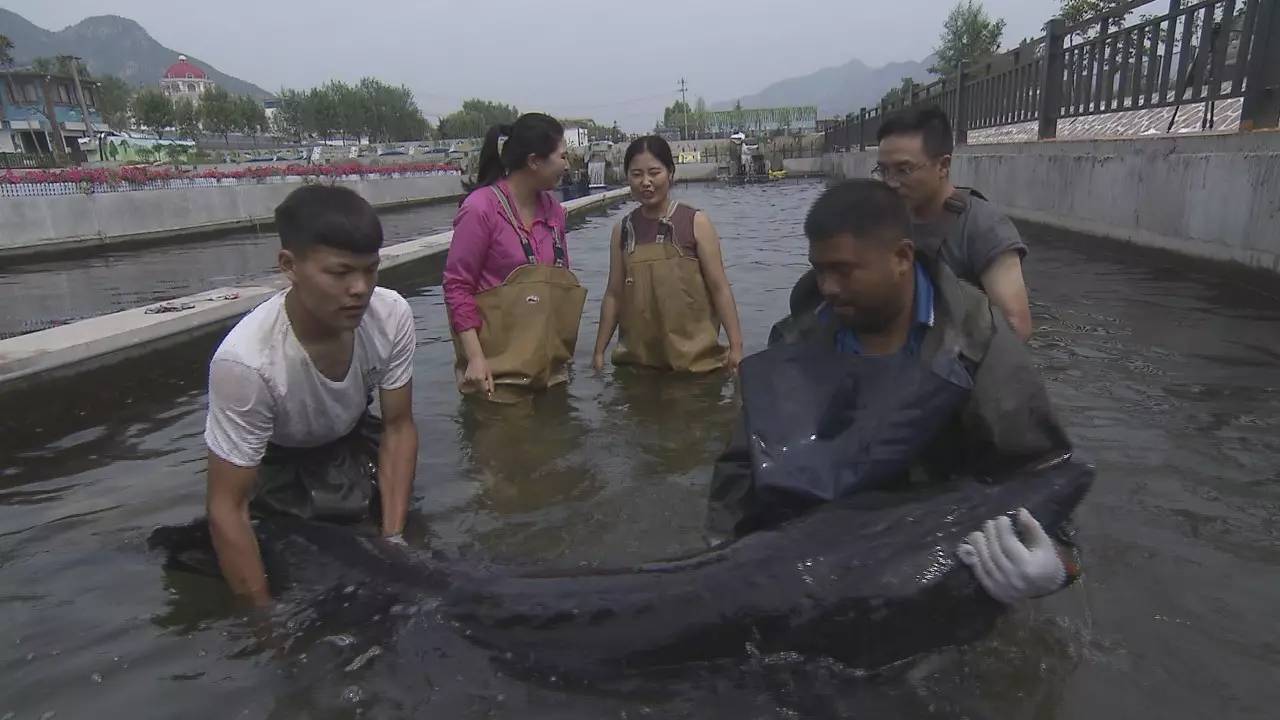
{"x": 227, "y": 502}
{"x": 1008, "y": 569}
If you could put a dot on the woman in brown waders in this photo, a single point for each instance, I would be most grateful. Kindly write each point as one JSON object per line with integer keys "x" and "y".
{"x": 667, "y": 292}
{"x": 514, "y": 306}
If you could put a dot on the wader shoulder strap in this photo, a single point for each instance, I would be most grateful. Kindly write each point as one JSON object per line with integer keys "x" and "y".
{"x": 664, "y": 235}
{"x": 515, "y": 224}
{"x": 526, "y": 243}
{"x": 669, "y": 234}
{"x": 628, "y": 235}
{"x": 557, "y": 248}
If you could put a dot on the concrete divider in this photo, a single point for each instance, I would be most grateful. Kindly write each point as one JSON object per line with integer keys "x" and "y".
{"x": 118, "y": 336}
{"x": 696, "y": 172}
{"x": 802, "y": 167}
{"x": 31, "y": 225}
{"x": 1212, "y": 197}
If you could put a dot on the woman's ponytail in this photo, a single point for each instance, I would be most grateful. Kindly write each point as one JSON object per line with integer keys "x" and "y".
{"x": 531, "y": 134}
{"x": 491, "y": 170}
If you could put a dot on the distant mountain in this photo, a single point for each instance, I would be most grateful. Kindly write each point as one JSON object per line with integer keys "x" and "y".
{"x": 110, "y": 45}
{"x": 836, "y": 90}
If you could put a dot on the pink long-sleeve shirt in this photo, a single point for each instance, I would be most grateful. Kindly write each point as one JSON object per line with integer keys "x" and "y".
{"x": 486, "y": 248}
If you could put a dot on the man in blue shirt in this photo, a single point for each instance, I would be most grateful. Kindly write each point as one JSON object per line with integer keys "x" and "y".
{"x": 922, "y": 319}
{"x": 943, "y": 384}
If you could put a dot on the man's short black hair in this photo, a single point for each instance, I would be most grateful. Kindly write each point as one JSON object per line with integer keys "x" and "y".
{"x": 865, "y": 209}
{"x": 328, "y": 215}
{"x": 929, "y": 121}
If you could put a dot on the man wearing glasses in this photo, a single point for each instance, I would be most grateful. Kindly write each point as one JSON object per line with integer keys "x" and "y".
{"x": 958, "y": 226}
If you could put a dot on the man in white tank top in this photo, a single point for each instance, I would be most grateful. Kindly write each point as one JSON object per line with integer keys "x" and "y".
{"x": 290, "y": 387}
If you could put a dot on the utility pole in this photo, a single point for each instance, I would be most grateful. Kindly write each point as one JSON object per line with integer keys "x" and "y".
{"x": 74, "y": 62}
{"x": 684, "y": 98}
{"x": 57, "y": 143}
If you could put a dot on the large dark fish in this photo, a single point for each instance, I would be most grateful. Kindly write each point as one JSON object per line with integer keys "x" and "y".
{"x": 868, "y": 580}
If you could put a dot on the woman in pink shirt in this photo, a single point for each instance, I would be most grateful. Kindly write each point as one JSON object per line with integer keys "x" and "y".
{"x": 514, "y": 306}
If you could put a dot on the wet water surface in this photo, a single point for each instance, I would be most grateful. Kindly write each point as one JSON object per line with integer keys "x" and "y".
{"x": 41, "y": 293}
{"x": 1167, "y": 376}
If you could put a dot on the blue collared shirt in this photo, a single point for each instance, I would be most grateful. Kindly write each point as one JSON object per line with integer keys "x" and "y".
{"x": 922, "y": 307}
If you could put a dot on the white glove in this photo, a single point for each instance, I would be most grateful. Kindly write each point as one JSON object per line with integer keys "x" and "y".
{"x": 1009, "y": 570}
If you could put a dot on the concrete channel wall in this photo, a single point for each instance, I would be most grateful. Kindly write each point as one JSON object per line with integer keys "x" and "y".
{"x": 802, "y": 167}
{"x": 701, "y": 172}
{"x": 111, "y": 338}
{"x": 30, "y": 225}
{"x": 1215, "y": 197}
{"x": 696, "y": 172}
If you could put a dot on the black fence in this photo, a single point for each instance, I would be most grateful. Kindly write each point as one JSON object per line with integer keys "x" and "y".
{"x": 1195, "y": 52}
{"x": 27, "y": 161}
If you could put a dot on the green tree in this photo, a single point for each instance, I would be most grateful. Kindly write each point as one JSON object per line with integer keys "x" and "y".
{"x": 475, "y": 118}
{"x": 219, "y": 113}
{"x": 351, "y": 110}
{"x": 1076, "y": 11}
{"x": 384, "y": 113}
{"x": 289, "y": 120}
{"x": 391, "y": 115}
{"x": 494, "y": 113}
{"x": 903, "y": 90}
{"x": 153, "y": 111}
{"x": 699, "y": 120}
{"x": 250, "y": 116}
{"x": 463, "y": 125}
{"x": 175, "y": 153}
{"x": 320, "y": 113}
{"x": 968, "y": 34}
{"x": 113, "y": 96}
{"x": 60, "y": 65}
{"x": 186, "y": 118}
{"x": 676, "y": 116}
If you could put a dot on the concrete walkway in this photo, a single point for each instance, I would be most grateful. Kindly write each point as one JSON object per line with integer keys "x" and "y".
{"x": 117, "y": 336}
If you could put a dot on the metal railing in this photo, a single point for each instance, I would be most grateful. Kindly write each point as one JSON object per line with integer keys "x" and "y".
{"x": 1196, "y": 52}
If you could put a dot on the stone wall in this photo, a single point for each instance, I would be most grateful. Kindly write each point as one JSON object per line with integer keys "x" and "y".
{"x": 1213, "y": 197}
{"x": 35, "y": 224}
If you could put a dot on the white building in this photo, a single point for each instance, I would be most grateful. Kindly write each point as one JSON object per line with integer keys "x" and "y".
{"x": 183, "y": 79}
{"x": 575, "y": 134}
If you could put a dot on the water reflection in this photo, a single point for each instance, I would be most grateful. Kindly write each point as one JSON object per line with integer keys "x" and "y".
{"x": 45, "y": 293}
{"x": 1164, "y": 372}
{"x": 670, "y": 421}
{"x": 525, "y": 456}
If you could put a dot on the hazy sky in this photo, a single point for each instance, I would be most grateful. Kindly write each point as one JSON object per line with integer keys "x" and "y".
{"x": 606, "y": 60}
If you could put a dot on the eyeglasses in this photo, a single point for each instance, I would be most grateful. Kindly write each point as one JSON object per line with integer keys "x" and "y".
{"x": 899, "y": 172}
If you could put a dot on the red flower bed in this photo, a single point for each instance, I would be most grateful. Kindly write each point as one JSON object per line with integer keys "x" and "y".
{"x": 142, "y": 174}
